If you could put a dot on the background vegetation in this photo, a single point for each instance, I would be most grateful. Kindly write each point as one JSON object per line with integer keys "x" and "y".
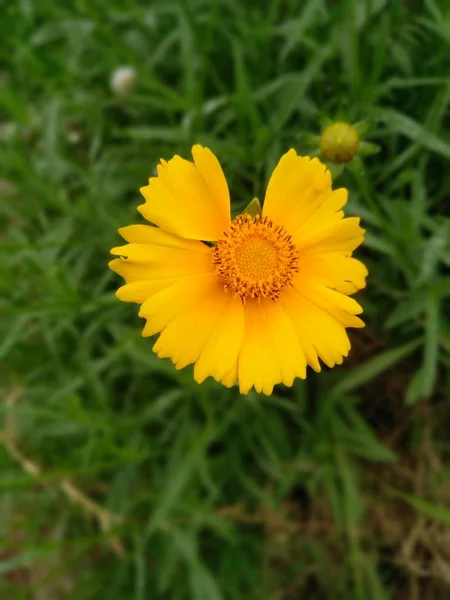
{"x": 121, "y": 478}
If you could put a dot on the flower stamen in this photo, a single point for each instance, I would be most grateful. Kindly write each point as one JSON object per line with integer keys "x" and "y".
{"x": 255, "y": 259}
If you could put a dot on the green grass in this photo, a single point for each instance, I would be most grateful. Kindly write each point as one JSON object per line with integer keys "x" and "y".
{"x": 121, "y": 478}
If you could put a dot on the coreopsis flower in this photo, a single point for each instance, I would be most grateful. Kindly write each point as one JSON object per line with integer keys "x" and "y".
{"x": 123, "y": 80}
{"x": 252, "y": 299}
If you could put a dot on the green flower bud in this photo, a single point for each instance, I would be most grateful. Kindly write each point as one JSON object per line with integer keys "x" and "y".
{"x": 339, "y": 142}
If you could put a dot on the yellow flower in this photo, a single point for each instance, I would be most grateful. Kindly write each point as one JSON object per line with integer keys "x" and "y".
{"x": 268, "y": 297}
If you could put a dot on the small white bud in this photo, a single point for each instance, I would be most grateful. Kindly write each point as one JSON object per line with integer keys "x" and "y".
{"x": 123, "y": 80}
{"x": 74, "y": 136}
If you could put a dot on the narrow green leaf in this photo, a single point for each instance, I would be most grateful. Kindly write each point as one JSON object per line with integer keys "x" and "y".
{"x": 407, "y": 310}
{"x": 244, "y": 94}
{"x": 431, "y": 350}
{"x": 414, "y": 389}
{"x": 203, "y": 584}
{"x": 423, "y": 506}
{"x": 253, "y": 209}
{"x": 415, "y": 131}
{"x": 368, "y": 148}
{"x": 373, "y": 367}
{"x": 153, "y": 134}
{"x": 431, "y": 256}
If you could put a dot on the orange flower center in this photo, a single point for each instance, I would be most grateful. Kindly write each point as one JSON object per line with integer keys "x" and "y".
{"x": 255, "y": 258}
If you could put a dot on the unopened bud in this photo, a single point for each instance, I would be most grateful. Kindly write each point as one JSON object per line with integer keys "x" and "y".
{"x": 339, "y": 142}
{"x": 123, "y": 80}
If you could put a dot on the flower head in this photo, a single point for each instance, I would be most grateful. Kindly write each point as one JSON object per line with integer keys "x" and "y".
{"x": 123, "y": 80}
{"x": 339, "y": 142}
{"x": 267, "y": 295}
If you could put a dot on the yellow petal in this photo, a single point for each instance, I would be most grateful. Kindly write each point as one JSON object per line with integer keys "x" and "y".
{"x": 323, "y": 333}
{"x": 327, "y": 213}
{"x": 219, "y": 357}
{"x": 271, "y": 352}
{"x": 297, "y": 189}
{"x": 155, "y": 260}
{"x": 299, "y": 197}
{"x": 172, "y": 257}
{"x": 230, "y": 378}
{"x": 139, "y": 291}
{"x": 338, "y": 305}
{"x": 209, "y": 168}
{"x": 189, "y": 199}
{"x": 154, "y": 236}
{"x": 199, "y": 327}
{"x": 342, "y": 236}
{"x": 334, "y": 270}
{"x": 182, "y": 297}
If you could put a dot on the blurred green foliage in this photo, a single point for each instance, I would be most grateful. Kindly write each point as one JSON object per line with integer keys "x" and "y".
{"x": 121, "y": 477}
